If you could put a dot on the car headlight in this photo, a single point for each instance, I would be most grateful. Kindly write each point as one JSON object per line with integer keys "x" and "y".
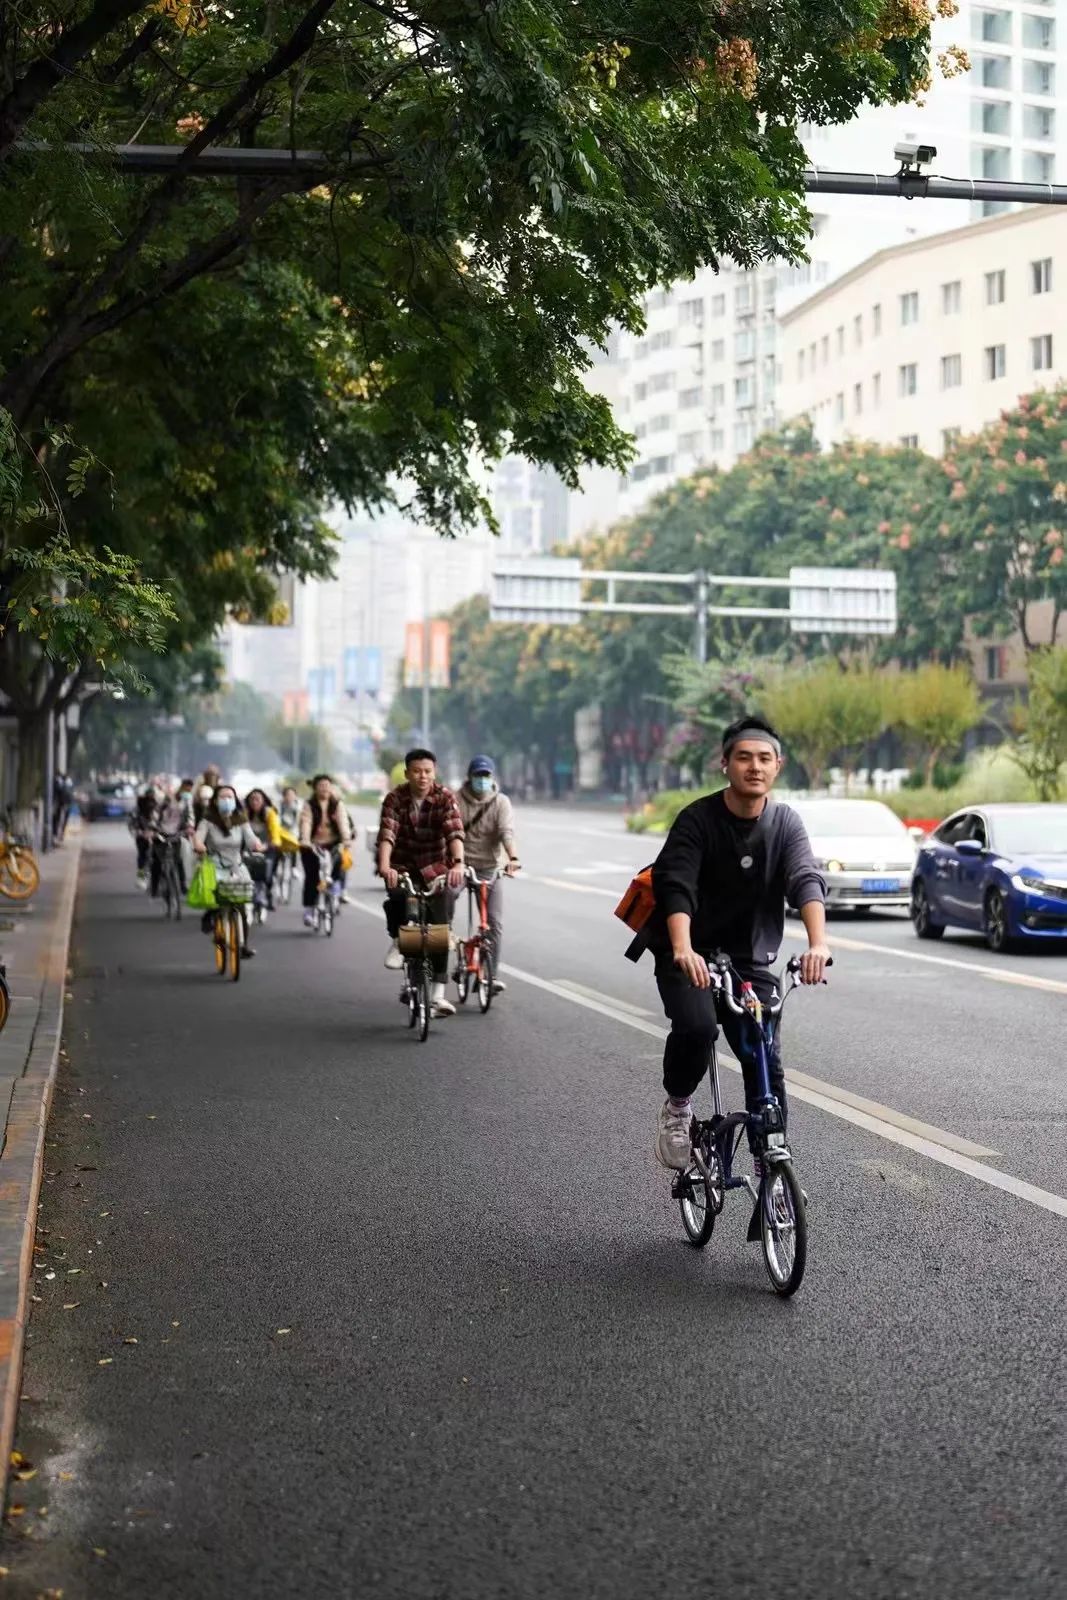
{"x": 833, "y": 866}
{"x": 1027, "y": 884}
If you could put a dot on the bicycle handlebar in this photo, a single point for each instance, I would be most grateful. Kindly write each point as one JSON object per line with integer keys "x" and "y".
{"x": 404, "y": 882}
{"x": 722, "y": 975}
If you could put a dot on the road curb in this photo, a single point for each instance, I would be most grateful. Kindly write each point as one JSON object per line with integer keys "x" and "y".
{"x": 22, "y": 1154}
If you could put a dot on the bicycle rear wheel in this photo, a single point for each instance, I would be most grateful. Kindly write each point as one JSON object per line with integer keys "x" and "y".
{"x": 423, "y": 1001}
{"x": 700, "y": 1199}
{"x": 411, "y": 979}
{"x": 783, "y": 1227}
{"x": 5, "y": 1002}
{"x": 219, "y": 941}
{"x": 484, "y": 980}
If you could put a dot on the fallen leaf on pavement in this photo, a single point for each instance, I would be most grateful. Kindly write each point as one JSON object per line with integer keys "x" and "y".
{"x": 72, "y": 1272}
{"x": 129, "y": 1341}
{"x": 105, "y": 1361}
{"x": 66, "y": 1477}
{"x": 72, "y": 1305}
{"x": 18, "y": 1459}
{"x": 175, "y": 1324}
{"x": 16, "y": 1511}
{"x": 283, "y": 1330}
{"x": 24, "y": 1474}
{"x": 49, "y": 1276}
{"x": 98, "y": 1550}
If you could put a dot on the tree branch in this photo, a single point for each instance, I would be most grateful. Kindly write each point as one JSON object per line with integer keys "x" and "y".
{"x": 42, "y": 75}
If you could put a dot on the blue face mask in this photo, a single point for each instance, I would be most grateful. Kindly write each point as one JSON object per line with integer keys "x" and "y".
{"x": 227, "y": 806}
{"x": 482, "y": 783}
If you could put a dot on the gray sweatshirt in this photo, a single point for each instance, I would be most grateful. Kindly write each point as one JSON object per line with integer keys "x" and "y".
{"x": 489, "y": 827}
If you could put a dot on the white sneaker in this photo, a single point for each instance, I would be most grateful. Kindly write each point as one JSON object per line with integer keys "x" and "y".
{"x": 674, "y": 1147}
{"x": 310, "y": 919}
{"x": 393, "y": 959}
{"x": 499, "y": 986}
{"x": 439, "y": 1006}
{"x": 344, "y": 899}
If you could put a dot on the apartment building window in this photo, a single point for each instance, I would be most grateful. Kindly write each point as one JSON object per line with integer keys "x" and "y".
{"x": 718, "y": 350}
{"x": 876, "y": 320}
{"x": 1038, "y": 166}
{"x": 991, "y": 161}
{"x": 995, "y": 72}
{"x": 744, "y": 298}
{"x": 995, "y": 361}
{"x": 745, "y": 344}
{"x": 718, "y": 439}
{"x": 811, "y": 358}
{"x": 744, "y": 434}
{"x": 718, "y": 394}
{"x": 1039, "y": 33}
{"x": 743, "y": 391}
{"x": 1039, "y": 122}
{"x": 690, "y": 443}
{"x": 800, "y": 363}
{"x": 656, "y": 300}
{"x": 949, "y": 439}
{"x": 718, "y": 305}
{"x": 841, "y": 340}
{"x": 909, "y": 441}
{"x": 688, "y": 398}
{"x": 951, "y": 298}
{"x": 876, "y": 389}
{"x": 994, "y": 663}
{"x": 1039, "y": 77}
{"x": 909, "y": 308}
{"x": 908, "y": 378}
{"x": 992, "y": 27}
{"x": 857, "y": 330}
{"x": 1041, "y": 352}
{"x": 660, "y": 381}
{"x": 825, "y": 348}
{"x": 991, "y": 116}
{"x": 691, "y": 312}
{"x": 1041, "y": 275}
{"x": 857, "y": 399}
{"x": 662, "y": 340}
{"x": 951, "y": 372}
{"x": 839, "y": 408}
{"x": 994, "y": 288}
{"x": 660, "y": 423}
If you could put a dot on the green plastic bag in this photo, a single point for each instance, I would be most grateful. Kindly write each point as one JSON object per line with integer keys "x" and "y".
{"x": 201, "y": 896}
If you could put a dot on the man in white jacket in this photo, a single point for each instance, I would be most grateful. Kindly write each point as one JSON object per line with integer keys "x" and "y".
{"x": 489, "y": 827}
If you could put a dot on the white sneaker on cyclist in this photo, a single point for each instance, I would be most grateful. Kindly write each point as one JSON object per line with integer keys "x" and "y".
{"x": 393, "y": 959}
{"x": 673, "y": 1145}
{"x": 499, "y": 986}
{"x": 344, "y": 899}
{"x": 310, "y": 919}
{"x": 440, "y": 1007}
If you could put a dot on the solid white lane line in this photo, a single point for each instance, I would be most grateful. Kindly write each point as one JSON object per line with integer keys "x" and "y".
{"x": 577, "y": 888}
{"x": 1022, "y": 980}
{"x": 597, "y": 994}
{"x": 932, "y": 1144}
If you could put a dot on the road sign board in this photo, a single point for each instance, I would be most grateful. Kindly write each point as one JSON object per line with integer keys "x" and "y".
{"x": 842, "y": 600}
{"x": 539, "y": 589}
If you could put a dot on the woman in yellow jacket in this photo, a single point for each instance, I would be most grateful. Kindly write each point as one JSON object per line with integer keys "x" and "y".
{"x": 265, "y": 824}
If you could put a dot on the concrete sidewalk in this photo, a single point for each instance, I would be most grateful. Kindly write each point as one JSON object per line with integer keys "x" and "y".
{"x": 34, "y": 944}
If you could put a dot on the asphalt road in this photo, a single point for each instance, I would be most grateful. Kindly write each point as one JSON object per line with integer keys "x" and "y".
{"x": 419, "y": 1321}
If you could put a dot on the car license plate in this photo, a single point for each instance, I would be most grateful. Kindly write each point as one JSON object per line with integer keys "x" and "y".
{"x": 880, "y": 885}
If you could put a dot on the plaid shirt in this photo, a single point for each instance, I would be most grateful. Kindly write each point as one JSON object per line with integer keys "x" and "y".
{"x": 420, "y": 845}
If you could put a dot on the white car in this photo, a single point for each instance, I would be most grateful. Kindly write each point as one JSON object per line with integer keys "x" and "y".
{"x": 866, "y": 853}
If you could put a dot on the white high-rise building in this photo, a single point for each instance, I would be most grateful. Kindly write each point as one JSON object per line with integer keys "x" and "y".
{"x": 700, "y": 384}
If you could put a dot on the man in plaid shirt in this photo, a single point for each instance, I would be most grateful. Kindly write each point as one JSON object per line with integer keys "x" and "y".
{"x": 421, "y": 833}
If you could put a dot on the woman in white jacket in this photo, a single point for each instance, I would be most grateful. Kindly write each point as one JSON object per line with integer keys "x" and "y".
{"x": 489, "y": 829}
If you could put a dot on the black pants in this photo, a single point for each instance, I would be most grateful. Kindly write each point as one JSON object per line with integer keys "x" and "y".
{"x": 144, "y": 846}
{"x": 438, "y": 909}
{"x": 695, "y": 1021}
{"x": 310, "y": 860}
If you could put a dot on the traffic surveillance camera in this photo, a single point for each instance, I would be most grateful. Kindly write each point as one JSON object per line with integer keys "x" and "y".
{"x": 913, "y": 157}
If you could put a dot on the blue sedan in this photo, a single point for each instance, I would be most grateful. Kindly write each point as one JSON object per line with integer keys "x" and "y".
{"x": 1001, "y": 870}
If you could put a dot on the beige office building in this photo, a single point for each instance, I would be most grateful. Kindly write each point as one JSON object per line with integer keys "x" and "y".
{"x": 931, "y": 338}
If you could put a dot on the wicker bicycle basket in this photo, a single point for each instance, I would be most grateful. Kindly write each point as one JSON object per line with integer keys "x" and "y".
{"x": 233, "y": 891}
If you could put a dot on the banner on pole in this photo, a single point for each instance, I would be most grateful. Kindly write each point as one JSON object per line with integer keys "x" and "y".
{"x": 440, "y": 654}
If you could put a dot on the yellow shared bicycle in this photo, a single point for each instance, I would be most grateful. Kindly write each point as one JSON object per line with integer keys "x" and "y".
{"x": 20, "y": 876}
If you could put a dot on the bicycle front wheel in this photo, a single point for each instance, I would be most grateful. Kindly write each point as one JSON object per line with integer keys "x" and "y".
{"x": 783, "y": 1227}
{"x": 235, "y": 940}
{"x": 20, "y": 876}
{"x": 485, "y": 978}
{"x": 219, "y": 941}
{"x": 5, "y": 1003}
{"x": 423, "y": 1002}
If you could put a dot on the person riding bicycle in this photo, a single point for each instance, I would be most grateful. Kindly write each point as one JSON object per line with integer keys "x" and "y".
{"x": 729, "y": 864}
{"x": 421, "y": 833}
{"x": 223, "y": 834}
{"x": 168, "y": 826}
{"x": 142, "y": 822}
{"x": 289, "y": 810}
{"x": 323, "y": 826}
{"x": 204, "y": 796}
{"x": 489, "y": 833}
{"x": 263, "y": 821}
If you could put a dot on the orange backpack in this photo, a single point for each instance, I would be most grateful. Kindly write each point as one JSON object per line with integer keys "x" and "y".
{"x": 639, "y": 901}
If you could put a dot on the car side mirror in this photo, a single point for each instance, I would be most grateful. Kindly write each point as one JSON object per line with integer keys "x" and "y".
{"x": 919, "y": 835}
{"x": 970, "y": 847}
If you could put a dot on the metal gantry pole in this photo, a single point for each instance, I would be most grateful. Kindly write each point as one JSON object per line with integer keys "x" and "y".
{"x": 426, "y": 654}
{"x": 700, "y": 607}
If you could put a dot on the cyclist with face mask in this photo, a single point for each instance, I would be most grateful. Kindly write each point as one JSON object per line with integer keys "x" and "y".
{"x": 223, "y": 834}
{"x": 489, "y": 826}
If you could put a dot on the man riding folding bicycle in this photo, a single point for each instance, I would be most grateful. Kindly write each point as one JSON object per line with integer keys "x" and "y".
{"x": 721, "y": 882}
{"x": 489, "y": 840}
{"x": 421, "y": 833}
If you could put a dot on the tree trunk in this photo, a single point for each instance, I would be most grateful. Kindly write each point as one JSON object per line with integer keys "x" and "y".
{"x": 30, "y": 807}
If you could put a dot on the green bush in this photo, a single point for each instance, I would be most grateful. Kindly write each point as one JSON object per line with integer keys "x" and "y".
{"x": 990, "y": 777}
{"x": 656, "y": 817}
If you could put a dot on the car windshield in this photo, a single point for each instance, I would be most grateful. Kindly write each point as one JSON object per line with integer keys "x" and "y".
{"x": 855, "y": 818}
{"x": 1040, "y": 832}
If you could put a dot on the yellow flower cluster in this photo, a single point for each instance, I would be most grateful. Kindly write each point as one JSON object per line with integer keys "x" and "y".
{"x": 736, "y": 66}
{"x": 953, "y": 61}
{"x": 606, "y": 63}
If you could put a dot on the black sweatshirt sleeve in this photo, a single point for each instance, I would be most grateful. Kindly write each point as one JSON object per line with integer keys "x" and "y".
{"x": 676, "y": 872}
{"x": 804, "y": 881}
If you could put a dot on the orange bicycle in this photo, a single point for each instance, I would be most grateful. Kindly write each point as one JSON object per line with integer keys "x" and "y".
{"x": 20, "y": 875}
{"x": 475, "y": 956}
